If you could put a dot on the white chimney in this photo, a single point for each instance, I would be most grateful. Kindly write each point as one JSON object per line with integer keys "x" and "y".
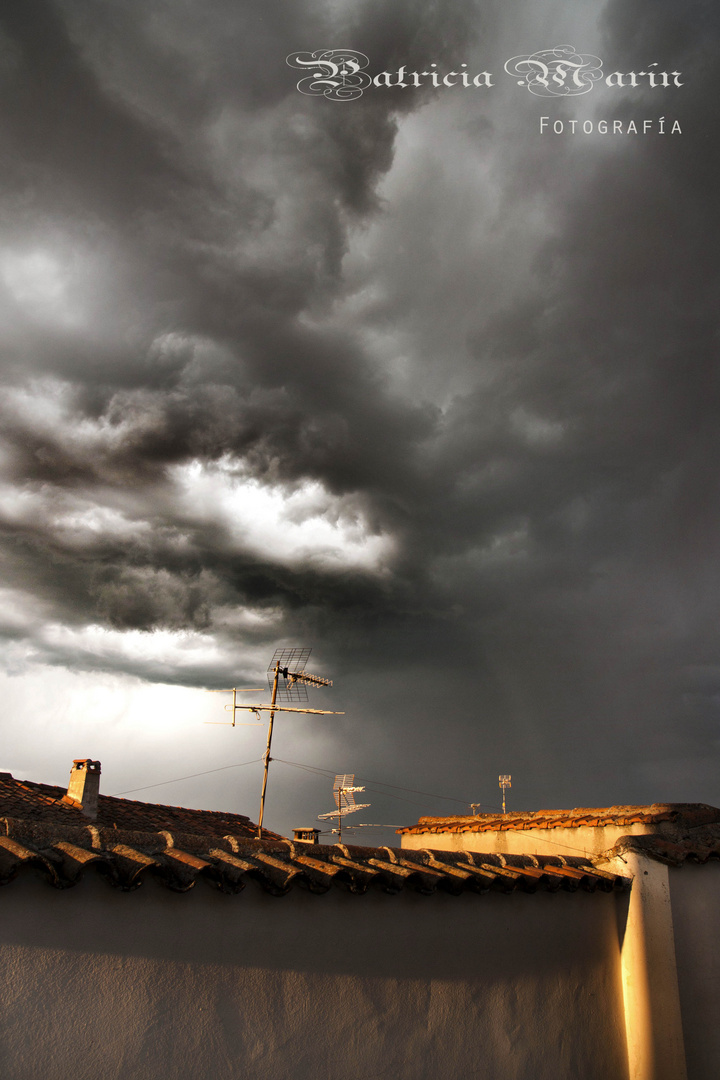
{"x": 306, "y": 835}
{"x": 84, "y": 786}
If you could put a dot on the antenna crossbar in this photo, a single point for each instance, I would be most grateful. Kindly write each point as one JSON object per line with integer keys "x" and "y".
{"x": 287, "y": 708}
{"x": 343, "y": 812}
{"x": 344, "y": 788}
{"x": 287, "y": 664}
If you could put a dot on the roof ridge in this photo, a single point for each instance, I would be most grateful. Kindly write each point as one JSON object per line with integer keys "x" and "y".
{"x": 129, "y": 858}
{"x": 596, "y": 817}
{"x": 27, "y": 799}
{"x": 172, "y": 806}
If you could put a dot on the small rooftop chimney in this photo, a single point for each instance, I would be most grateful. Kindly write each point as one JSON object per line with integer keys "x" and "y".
{"x": 306, "y": 836}
{"x": 84, "y": 786}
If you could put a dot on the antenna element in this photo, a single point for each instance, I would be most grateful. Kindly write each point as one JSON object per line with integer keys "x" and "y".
{"x": 504, "y": 782}
{"x": 288, "y": 664}
{"x": 344, "y": 792}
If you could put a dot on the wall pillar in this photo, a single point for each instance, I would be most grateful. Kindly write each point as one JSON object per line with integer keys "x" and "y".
{"x": 653, "y": 1022}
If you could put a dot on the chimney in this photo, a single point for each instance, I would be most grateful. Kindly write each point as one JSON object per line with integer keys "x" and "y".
{"x": 84, "y": 786}
{"x": 306, "y": 836}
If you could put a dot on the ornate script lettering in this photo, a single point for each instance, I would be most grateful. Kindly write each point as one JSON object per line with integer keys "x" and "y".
{"x": 337, "y": 74}
{"x": 558, "y": 72}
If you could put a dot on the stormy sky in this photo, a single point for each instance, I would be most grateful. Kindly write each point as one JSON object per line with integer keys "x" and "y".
{"x": 404, "y": 379}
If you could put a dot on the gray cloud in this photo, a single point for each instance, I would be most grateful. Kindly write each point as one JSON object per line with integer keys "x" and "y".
{"x": 401, "y": 378}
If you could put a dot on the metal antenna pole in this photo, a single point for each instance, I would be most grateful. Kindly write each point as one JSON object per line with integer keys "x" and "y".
{"x": 505, "y": 781}
{"x": 344, "y": 791}
{"x": 290, "y": 663}
{"x": 267, "y": 752}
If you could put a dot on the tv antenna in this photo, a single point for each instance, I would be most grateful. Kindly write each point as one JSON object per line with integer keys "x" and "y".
{"x": 288, "y": 664}
{"x": 344, "y": 789}
{"x": 235, "y": 690}
{"x": 504, "y": 782}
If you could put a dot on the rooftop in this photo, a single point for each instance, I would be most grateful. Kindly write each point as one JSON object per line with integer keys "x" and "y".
{"x": 52, "y": 805}
{"x": 64, "y": 854}
{"x": 681, "y": 815}
{"x": 45, "y": 830}
{"x": 692, "y": 845}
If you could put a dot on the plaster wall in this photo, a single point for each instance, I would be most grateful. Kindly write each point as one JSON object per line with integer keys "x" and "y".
{"x": 653, "y": 1023}
{"x": 695, "y": 895}
{"x": 152, "y": 984}
{"x": 584, "y": 840}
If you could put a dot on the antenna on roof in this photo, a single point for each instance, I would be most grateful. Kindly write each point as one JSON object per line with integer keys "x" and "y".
{"x": 235, "y": 690}
{"x": 504, "y": 782}
{"x": 344, "y": 789}
{"x": 290, "y": 665}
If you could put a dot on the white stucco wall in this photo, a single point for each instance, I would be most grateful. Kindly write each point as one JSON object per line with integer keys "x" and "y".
{"x": 584, "y": 840}
{"x": 97, "y": 983}
{"x": 695, "y": 895}
{"x": 653, "y": 1022}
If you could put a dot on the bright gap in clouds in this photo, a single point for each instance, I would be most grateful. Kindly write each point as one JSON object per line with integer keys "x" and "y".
{"x": 36, "y": 638}
{"x": 306, "y": 525}
{"x": 39, "y": 283}
{"x": 178, "y": 648}
{"x": 144, "y": 734}
{"x": 302, "y": 524}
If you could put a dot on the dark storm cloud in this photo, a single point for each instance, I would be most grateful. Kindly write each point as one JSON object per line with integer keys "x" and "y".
{"x": 494, "y": 350}
{"x": 605, "y": 483}
{"x": 173, "y": 265}
{"x": 63, "y": 136}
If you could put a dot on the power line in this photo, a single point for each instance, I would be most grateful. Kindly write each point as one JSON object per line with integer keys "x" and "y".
{"x": 306, "y": 768}
{"x": 327, "y": 772}
{"x": 414, "y": 791}
{"x": 382, "y": 783}
{"x": 450, "y": 798}
{"x": 191, "y": 776}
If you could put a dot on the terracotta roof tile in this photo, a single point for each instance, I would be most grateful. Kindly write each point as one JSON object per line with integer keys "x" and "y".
{"x": 65, "y": 854}
{"x": 692, "y": 845}
{"x": 681, "y": 814}
{"x": 48, "y": 803}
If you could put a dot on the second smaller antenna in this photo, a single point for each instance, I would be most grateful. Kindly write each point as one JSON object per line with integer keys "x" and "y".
{"x": 344, "y": 789}
{"x": 504, "y": 782}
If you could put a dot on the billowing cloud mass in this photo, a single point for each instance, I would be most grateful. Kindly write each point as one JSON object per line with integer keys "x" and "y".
{"x": 411, "y": 379}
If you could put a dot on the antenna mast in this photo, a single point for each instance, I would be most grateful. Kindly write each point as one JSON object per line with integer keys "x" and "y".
{"x": 288, "y": 664}
{"x": 504, "y": 782}
{"x": 344, "y": 791}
